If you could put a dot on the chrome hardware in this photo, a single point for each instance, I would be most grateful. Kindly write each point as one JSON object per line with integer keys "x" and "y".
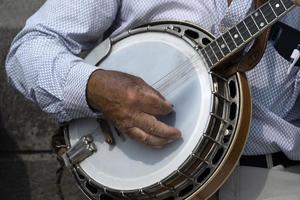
{"x": 84, "y": 148}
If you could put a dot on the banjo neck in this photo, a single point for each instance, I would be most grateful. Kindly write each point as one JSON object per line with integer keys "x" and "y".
{"x": 252, "y": 26}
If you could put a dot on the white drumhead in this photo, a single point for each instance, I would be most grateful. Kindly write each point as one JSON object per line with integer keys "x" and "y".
{"x": 129, "y": 165}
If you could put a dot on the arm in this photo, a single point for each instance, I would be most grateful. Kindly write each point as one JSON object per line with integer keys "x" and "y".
{"x": 44, "y": 66}
{"x": 43, "y": 62}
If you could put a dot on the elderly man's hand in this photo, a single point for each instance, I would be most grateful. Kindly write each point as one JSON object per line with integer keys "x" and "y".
{"x": 131, "y": 105}
{"x": 297, "y": 2}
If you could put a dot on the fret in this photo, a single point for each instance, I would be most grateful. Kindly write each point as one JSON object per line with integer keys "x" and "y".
{"x": 277, "y": 7}
{"x": 255, "y": 23}
{"x": 219, "y": 48}
{"x": 259, "y": 19}
{"x": 263, "y": 16}
{"x": 216, "y": 50}
{"x": 272, "y": 9}
{"x": 223, "y": 46}
{"x": 236, "y": 36}
{"x": 287, "y": 4}
{"x": 206, "y": 57}
{"x": 211, "y": 55}
{"x": 213, "y": 52}
{"x": 268, "y": 13}
{"x": 243, "y": 30}
{"x": 249, "y": 22}
{"x": 230, "y": 43}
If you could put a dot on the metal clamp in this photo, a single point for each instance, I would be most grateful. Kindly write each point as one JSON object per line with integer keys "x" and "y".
{"x": 84, "y": 148}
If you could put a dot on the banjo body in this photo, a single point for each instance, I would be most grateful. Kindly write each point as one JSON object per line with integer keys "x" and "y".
{"x": 213, "y": 113}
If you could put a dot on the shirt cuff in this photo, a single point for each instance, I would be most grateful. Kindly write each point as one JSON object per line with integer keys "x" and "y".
{"x": 75, "y": 102}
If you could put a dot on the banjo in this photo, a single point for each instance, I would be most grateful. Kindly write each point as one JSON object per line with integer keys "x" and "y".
{"x": 213, "y": 112}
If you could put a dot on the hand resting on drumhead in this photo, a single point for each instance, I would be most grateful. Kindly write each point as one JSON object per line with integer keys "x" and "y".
{"x": 131, "y": 105}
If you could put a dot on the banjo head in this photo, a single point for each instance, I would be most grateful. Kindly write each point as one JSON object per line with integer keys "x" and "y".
{"x": 173, "y": 66}
{"x": 129, "y": 165}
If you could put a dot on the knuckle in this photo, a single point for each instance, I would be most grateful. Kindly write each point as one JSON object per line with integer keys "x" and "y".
{"x": 145, "y": 139}
{"x": 123, "y": 123}
{"x": 131, "y": 95}
{"x": 153, "y": 130}
{"x": 153, "y": 125}
{"x": 138, "y": 136}
{"x": 134, "y": 119}
{"x": 131, "y": 132}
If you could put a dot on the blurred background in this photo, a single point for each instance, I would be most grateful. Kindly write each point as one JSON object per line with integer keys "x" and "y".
{"x": 27, "y": 164}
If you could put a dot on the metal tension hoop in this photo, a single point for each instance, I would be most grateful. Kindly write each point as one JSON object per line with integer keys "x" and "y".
{"x": 84, "y": 148}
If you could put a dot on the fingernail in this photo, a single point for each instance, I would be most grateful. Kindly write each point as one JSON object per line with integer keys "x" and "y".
{"x": 170, "y": 141}
{"x": 169, "y": 103}
{"x": 178, "y": 135}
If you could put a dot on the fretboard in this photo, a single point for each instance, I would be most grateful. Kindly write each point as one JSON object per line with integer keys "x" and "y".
{"x": 238, "y": 36}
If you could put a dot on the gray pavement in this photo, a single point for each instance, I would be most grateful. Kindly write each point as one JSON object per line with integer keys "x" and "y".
{"x": 27, "y": 166}
{"x": 14, "y": 13}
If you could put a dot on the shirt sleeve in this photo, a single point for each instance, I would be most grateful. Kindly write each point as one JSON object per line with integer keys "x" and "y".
{"x": 43, "y": 62}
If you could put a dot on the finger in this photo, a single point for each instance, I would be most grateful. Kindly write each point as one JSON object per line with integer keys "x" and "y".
{"x": 297, "y": 2}
{"x": 143, "y": 137}
{"x": 151, "y": 125}
{"x": 152, "y": 102}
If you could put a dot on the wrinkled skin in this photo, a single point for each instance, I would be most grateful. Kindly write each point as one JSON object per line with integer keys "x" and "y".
{"x": 132, "y": 106}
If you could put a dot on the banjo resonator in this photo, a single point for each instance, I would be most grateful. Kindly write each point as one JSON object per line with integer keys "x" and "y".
{"x": 212, "y": 112}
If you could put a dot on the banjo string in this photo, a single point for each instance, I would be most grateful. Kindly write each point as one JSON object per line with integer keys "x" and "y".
{"x": 183, "y": 72}
{"x": 168, "y": 87}
{"x": 176, "y": 74}
{"x": 175, "y": 71}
